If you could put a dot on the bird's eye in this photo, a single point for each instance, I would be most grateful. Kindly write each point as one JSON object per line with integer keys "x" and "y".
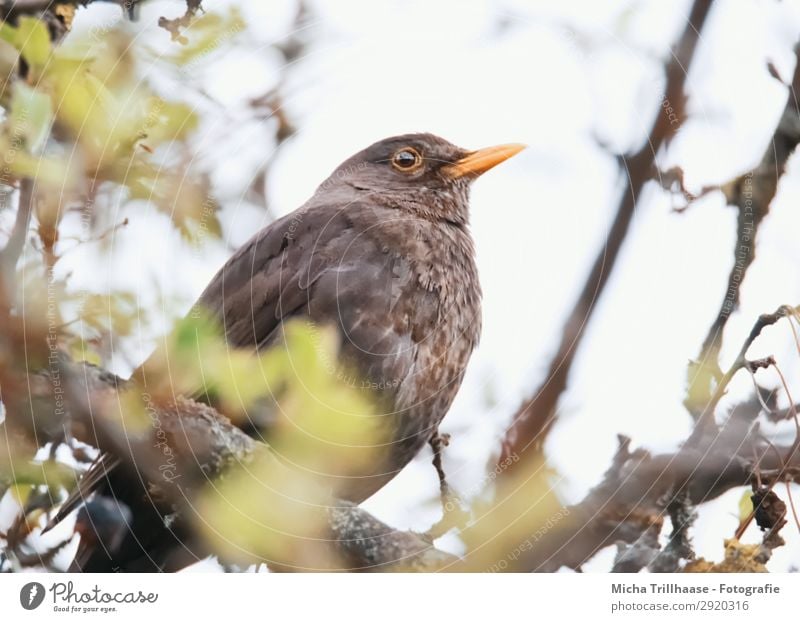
{"x": 407, "y": 159}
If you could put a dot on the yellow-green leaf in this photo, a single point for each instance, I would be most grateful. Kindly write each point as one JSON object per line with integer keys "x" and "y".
{"x": 8, "y": 33}
{"x": 47, "y": 171}
{"x": 33, "y": 41}
{"x": 745, "y": 505}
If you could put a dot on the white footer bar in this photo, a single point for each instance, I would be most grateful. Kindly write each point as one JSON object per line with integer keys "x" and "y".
{"x": 390, "y": 597}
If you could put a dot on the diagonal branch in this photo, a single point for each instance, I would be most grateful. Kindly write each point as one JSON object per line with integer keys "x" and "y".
{"x": 752, "y": 195}
{"x": 537, "y": 414}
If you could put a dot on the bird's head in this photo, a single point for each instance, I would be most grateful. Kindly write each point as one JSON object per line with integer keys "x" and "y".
{"x": 421, "y": 173}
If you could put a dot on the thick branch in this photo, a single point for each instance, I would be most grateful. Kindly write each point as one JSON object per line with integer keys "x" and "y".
{"x": 630, "y": 500}
{"x": 205, "y": 445}
{"x": 632, "y": 497}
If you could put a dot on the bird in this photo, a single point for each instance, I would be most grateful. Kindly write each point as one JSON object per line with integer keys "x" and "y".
{"x": 382, "y": 252}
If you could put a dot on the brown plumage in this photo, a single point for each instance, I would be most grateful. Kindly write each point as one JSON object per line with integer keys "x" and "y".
{"x": 382, "y": 251}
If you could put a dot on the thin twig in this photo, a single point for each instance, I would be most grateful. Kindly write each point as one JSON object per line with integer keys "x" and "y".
{"x": 705, "y": 420}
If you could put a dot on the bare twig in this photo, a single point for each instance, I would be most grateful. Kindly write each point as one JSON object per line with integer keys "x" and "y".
{"x": 674, "y": 178}
{"x": 453, "y": 512}
{"x": 438, "y": 442}
{"x": 705, "y": 421}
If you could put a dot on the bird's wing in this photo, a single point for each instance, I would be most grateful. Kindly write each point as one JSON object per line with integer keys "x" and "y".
{"x": 325, "y": 264}
{"x": 266, "y": 280}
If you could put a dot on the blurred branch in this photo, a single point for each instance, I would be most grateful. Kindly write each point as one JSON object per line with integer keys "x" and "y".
{"x": 10, "y": 254}
{"x": 53, "y": 8}
{"x": 752, "y": 195}
{"x": 15, "y": 7}
{"x": 784, "y": 413}
{"x": 205, "y": 446}
{"x": 627, "y": 506}
{"x": 639, "y": 488}
{"x": 18, "y": 7}
{"x": 628, "y": 502}
{"x": 536, "y": 415}
{"x": 369, "y": 544}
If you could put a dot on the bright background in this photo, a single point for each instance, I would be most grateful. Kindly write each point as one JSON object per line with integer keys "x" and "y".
{"x": 576, "y": 81}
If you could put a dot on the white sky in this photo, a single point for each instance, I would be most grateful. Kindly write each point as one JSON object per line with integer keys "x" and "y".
{"x": 558, "y": 76}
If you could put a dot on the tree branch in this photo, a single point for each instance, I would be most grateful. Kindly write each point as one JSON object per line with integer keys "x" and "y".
{"x": 752, "y": 195}
{"x": 705, "y": 422}
{"x": 28, "y": 7}
{"x": 205, "y": 446}
{"x": 630, "y": 500}
{"x": 536, "y": 415}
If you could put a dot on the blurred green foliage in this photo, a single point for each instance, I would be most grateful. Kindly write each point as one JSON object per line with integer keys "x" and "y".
{"x": 295, "y": 386}
{"x": 85, "y": 122}
{"x": 321, "y": 431}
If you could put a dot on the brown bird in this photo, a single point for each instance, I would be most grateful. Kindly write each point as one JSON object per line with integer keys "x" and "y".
{"x": 382, "y": 251}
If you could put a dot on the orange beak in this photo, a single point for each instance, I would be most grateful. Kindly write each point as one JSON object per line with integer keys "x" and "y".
{"x": 478, "y": 162}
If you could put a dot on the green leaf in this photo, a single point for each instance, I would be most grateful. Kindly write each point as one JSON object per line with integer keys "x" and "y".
{"x": 80, "y": 351}
{"x": 207, "y": 35}
{"x": 8, "y": 33}
{"x": 745, "y": 505}
{"x": 47, "y": 171}
{"x": 33, "y": 41}
{"x": 27, "y": 475}
{"x": 284, "y": 522}
{"x": 31, "y": 116}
